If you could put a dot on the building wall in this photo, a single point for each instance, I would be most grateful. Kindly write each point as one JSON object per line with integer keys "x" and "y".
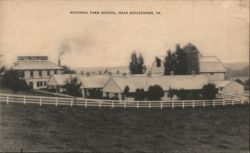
{"x": 233, "y": 88}
{"x": 157, "y": 69}
{"x": 38, "y": 81}
{"x": 215, "y": 76}
{"x": 112, "y": 87}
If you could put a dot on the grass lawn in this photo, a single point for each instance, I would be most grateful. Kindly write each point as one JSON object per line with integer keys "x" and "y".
{"x": 50, "y": 128}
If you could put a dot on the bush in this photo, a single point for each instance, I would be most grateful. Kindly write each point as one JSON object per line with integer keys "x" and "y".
{"x": 73, "y": 88}
{"x": 209, "y": 91}
{"x": 155, "y": 92}
{"x": 140, "y": 94}
{"x": 12, "y": 80}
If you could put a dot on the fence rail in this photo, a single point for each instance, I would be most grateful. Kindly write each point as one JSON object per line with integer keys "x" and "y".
{"x": 42, "y": 100}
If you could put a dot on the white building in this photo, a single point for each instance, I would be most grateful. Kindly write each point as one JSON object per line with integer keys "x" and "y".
{"x": 158, "y": 65}
{"x": 229, "y": 87}
{"x": 116, "y": 85}
{"x": 88, "y": 83}
{"x": 212, "y": 67}
{"x": 36, "y": 70}
{"x": 58, "y": 81}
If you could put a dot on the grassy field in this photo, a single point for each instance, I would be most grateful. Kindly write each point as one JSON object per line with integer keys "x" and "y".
{"x": 50, "y": 128}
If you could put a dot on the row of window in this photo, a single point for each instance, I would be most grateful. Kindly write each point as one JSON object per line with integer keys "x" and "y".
{"x": 39, "y": 73}
{"x": 41, "y": 83}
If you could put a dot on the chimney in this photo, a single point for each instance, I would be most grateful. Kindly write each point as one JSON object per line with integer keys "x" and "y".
{"x": 59, "y": 62}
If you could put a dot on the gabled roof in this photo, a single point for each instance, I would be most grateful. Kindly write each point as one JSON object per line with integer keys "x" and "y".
{"x": 36, "y": 65}
{"x": 93, "y": 81}
{"x": 60, "y": 79}
{"x": 221, "y": 83}
{"x": 211, "y": 64}
{"x": 188, "y": 82}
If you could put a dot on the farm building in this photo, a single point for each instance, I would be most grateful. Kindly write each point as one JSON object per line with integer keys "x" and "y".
{"x": 158, "y": 65}
{"x": 116, "y": 85}
{"x": 229, "y": 87}
{"x": 90, "y": 83}
{"x": 57, "y": 81}
{"x": 210, "y": 66}
{"x": 36, "y": 70}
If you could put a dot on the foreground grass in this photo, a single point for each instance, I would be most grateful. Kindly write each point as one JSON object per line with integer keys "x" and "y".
{"x": 50, "y": 128}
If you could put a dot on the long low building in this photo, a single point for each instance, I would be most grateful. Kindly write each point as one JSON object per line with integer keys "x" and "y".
{"x": 113, "y": 86}
{"x": 116, "y": 85}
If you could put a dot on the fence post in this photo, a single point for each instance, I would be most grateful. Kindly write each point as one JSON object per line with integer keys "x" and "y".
{"x": 193, "y": 103}
{"x": 183, "y": 104}
{"x": 100, "y": 105}
{"x": 223, "y": 101}
{"x": 233, "y": 101}
{"x": 24, "y": 102}
{"x": 7, "y": 100}
{"x": 149, "y": 105}
{"x": 112, "y": 104}
{"x": 71, "y": 102}
{"x": 242, "y": 101}
{"x": 86, "y": 104}
{"x": 161, "y": 104}
{"x": 124, "y": 104}
{"x": 204, "y": 105}
{"x": 56, "y": 101}
{"x": 172, "y": 102}
{"x": 24, "y": 99}
{"x": 213, "y": 103}
{"x": 137, "y": 105}
{"x": 40, "y": 101}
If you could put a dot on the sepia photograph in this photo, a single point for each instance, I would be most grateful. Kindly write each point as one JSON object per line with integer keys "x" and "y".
{"x": 106, "y": 76}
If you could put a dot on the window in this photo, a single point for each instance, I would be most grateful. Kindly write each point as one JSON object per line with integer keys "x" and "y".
{"x": 45, "y": 83}
{"x": 40, "y": 73}
{"x": 211, "y": 73}
{"x": 48, "y": 72}
{"x": 158, "y": 62}
{"x": 31, "y": 73}
{"x": 37, "y": 84}
{"x": 22, "y": 74}
{"x": 55, "y": 72}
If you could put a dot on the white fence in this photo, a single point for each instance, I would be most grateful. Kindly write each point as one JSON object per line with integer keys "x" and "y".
{"x": 24, "y": 99}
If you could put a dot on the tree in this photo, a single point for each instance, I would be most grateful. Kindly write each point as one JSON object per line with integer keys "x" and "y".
{"x": 155, "y": 92}
{"x": 13, "y": 81}
{"x": 209, "y": 91}
{"x": 67, "y": 70}
{"x": 176, "y": 61}
{"x": 73, "y": 88}
{"x": 136, "y": 65}
{"x": 168, "y": 63}
{"x": 140, "y": 94}
{"x": 126, "y": 90}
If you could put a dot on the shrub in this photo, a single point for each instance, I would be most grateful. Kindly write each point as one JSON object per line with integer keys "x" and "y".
{"x": 209, "y": 91}
{"x": 155, "y": 92}
{"x": 140, "y": 94}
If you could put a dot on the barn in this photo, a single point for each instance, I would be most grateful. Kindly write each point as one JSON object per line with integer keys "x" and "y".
{"x": 116, "y": 85}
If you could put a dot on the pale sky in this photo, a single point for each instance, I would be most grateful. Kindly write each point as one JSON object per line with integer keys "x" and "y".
{"x": 218, "y": 28}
